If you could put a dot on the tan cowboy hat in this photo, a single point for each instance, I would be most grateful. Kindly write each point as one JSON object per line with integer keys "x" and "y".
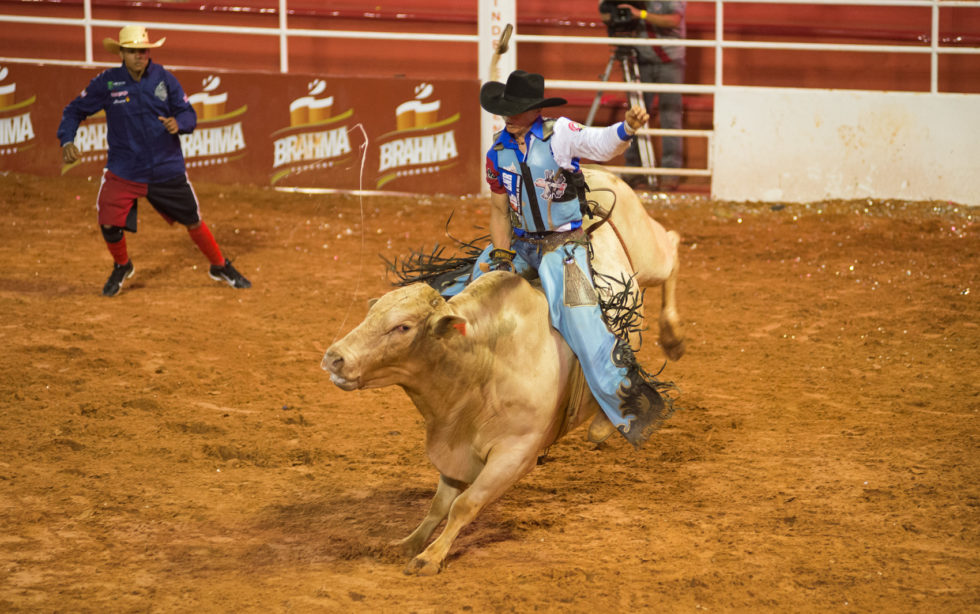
{"x": 133, "y": 37}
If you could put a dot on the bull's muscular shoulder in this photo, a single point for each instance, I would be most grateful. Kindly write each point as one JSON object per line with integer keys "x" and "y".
{"x": 494, "y": 290}
{"x": 413, "y": 297}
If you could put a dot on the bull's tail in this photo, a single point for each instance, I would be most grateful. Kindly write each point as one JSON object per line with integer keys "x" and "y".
{"x": 436, "y": 269}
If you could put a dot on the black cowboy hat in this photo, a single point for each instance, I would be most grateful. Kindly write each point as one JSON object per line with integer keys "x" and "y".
{"x": 524, "y": 91}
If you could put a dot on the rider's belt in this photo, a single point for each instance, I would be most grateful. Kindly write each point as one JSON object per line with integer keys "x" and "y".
{"x": 564, "y": 228}
{"x": 548, "y": 241}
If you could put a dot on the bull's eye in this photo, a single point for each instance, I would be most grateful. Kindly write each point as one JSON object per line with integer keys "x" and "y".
{"x": 401, "y": 328}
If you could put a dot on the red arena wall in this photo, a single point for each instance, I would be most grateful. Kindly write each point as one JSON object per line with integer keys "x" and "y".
{"x": 456, "y": 60}
{"x": 371, "y": 78}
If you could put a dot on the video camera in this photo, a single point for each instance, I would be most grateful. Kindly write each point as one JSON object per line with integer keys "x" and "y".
{"x": 621, "y": 20}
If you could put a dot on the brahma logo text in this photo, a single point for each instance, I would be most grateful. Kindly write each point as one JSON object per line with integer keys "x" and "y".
{"x": 16, "y": 125}
{"x": 92, "y": 135}
{"x": 419, "y": 150}
{"x": 216, "y": 141}
{"x": 311, "y": 146}
{"x": 219, "y": 137}
{"x": 317, "y": 139}
{"x": 422, "y": 143}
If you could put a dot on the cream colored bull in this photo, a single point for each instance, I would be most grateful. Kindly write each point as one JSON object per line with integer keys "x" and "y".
{"x": 492, "y": 380}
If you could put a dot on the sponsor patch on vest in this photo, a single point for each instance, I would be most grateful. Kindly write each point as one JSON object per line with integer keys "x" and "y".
{"x": 553, "y": 185}
{"x": 161, "y": 91}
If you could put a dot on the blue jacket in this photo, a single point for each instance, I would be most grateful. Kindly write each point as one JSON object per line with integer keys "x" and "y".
{"x": 140, "y": 148}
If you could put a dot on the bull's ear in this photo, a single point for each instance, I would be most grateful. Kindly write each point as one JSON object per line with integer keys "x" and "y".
{"x": 449, "y": 325}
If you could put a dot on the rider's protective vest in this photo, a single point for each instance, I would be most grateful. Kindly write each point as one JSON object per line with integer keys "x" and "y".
{"x": 541, "y": 199}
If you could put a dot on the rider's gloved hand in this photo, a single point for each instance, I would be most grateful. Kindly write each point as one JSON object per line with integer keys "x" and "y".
{"x": 502, "y": 260}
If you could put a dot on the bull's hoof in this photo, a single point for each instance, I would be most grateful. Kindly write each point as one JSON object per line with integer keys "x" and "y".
{"x": 421, "y": 567}
{"x": 405, "y": 547}
{"x": 675, "y": 350}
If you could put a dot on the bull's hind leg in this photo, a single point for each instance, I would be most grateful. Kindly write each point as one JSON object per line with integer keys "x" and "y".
{"x": 671, "y": 328}
{"x": 500, "y": 473}
{"x": 438, "y": 509}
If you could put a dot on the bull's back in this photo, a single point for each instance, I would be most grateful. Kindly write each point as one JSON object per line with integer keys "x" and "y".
{"x": 631, "y": 240}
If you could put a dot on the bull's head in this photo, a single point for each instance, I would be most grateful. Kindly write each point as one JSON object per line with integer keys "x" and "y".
{"x": 385, "y": 349}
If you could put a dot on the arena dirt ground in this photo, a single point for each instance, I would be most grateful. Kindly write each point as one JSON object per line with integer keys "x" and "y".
{"x": 178, "y": 448}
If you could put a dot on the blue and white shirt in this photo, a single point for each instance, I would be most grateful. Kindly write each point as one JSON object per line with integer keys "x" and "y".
{"x": 540, "y": 198}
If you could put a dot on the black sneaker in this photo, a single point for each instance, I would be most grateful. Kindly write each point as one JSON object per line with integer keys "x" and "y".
{"x": 120, "y": 273}
{"x": 229, "y": 275}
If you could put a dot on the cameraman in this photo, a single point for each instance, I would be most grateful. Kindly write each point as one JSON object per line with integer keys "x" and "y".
{"x": 657, "y": 64}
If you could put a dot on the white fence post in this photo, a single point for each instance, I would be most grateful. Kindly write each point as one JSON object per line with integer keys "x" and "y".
{"x": 283, "y": 38}
{"x": 88, "y": 32}
{"x": 493, "y": 16}
{"x": 934, "y": 43}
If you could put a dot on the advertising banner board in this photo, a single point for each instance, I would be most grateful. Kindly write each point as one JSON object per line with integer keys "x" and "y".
{"x": 342, "y": 133}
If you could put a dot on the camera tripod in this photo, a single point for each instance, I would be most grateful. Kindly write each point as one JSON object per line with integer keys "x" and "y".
{"x": 625, "y": 57}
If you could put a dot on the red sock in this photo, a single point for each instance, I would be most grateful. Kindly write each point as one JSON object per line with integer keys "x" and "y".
{"x": 118, "y": 251}
{"x": 205, "y": 242}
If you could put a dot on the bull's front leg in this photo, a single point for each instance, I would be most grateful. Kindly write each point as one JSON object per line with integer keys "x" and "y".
{"x": 438, "y": 509}
{"x": 505, "y": 465}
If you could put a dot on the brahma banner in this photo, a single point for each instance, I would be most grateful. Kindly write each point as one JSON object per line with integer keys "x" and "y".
{"x": 219, "y": 139}
{"x": 270, "y": 129}
{"x": 318, "y": 144}
{"x": 422, "y": 147}
{"x": 17, "y": 134}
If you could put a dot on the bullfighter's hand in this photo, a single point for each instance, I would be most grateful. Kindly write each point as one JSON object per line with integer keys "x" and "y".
{"x": 636, "y": 118}
{"x": 70, "y": 153}
{"x": 169, "y": 124}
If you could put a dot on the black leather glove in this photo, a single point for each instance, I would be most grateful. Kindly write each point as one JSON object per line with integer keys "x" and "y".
{"x": 502, "y": 260}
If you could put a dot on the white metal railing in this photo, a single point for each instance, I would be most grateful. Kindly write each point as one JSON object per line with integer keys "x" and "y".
{"x": 720, "y": 44}
{"x": 283, "y": 32}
